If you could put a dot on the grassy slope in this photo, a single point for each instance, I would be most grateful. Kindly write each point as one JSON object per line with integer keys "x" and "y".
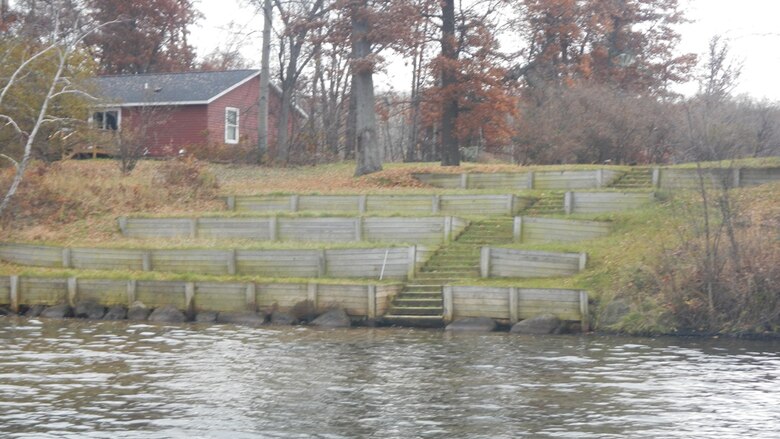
{"x": 79, "y": 203}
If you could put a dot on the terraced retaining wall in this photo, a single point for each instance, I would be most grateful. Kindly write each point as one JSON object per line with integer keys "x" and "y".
{"x": 674, "y": 178}
{"x": 600, "y": 202}
{"x": 389, "y": 263}
{"x": 358, "y": 300}
{"x": 514, "y": 304}
{"x": 429, "y": 230}
{"x": 407, "y": 204}
{"x": 507, "y": 262}
{"x": 524, "y": 180}
{"x": 532, "y": 229}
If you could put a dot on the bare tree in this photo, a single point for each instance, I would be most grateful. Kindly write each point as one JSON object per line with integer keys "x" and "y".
{"x": 62, "y": 45}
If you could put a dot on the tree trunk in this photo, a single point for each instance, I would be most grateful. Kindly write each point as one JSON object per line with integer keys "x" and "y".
{"x": 350, "y": 134}
{"x": 262, "y": 106}
{"x": 368, "y": 154}
{"x": 450, "y": 154}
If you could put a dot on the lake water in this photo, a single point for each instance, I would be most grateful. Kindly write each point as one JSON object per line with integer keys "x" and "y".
{"x": 79, "y": 379}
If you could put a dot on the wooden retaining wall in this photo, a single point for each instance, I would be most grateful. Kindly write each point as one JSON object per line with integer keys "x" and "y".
{"x": 515, "y": 304}
{"x": 600, "y": 202}
{"x": 532, "y": 229}
{"x": 506, "y": 262}
{"x": 524, "y": 180}
{"x": 675, "y": 178}
{"x": 359, "y": 300}
{"x": 389, "y": 263}
{"x": 408, "y": 204}
{"x": 427, "y": 230}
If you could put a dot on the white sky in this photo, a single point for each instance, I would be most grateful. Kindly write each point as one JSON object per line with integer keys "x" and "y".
{"x": 751, "y": 26}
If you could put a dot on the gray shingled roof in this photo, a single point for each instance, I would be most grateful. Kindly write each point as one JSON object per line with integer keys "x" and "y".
{"x": 169, "y": 88}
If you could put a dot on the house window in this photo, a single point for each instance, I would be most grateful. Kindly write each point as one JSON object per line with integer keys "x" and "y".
{"x": 106, "y": 120}
{"x": 231, "y": 125}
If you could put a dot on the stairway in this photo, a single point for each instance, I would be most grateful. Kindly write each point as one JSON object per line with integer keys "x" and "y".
{"x": 550, "y": 203}
{"x": 420, "y": 303}
{"x": 636, "y": 178}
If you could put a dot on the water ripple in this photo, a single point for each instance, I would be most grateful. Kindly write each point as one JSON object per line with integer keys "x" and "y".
{"x": 81, "y": 379}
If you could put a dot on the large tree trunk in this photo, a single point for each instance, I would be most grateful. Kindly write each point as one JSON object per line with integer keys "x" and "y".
{"x": 368, "y": 154}
{"x": 450, "y": 154}
{"x": 265, "y": 62}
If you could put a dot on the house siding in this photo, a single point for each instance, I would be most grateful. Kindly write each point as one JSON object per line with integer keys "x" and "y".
{"x": 169, "y": 129}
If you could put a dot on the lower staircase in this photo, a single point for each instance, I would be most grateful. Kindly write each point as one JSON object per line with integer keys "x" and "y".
{"x": 420, "y": 303}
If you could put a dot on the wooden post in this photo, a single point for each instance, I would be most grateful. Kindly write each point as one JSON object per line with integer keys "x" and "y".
{"x": 510, "y": 203}
{"x": 412, "y": 262}
{"x": 435, "y": 204}
{"x": 531, "y": 180}
{"x": 123, "y": 224}
{"x": 583, "y": 260}
{"x": 447, "y": 228}
{"x": 312, "y": 294}
{"x": 736, "y": 177}
{"x": 231, "y": 263}
{"x": 584, "y": 311}
{"x": 273, "y": 228}
{"x": 517, "y": 229}
{"x": 599, "y": 178}
{"x": 656, "y": 177}
{"x": 194, "y": 228}
{"x": 146, "y": 261}
{"x": 371, "y": 290}
{"x": 132, "y": 290}
{"x": 322, "y": 263}
{"x": 189, "y": 298}
{"x": 14, "y": 280}
{"x": 294, "y": 202}
{"x": 231, "y": 202}
{"x": 568, "y": 202}
{"x": 67, "y": 260}
{"x": 447, "y": 302}
{"x": 464, "y": 181}
{"x": 362, "y": 201}
{"x": 250, "y": 298}
{"x": 359, "y": 228}
{"x": 484, "y": 262}
{"x": 73, "y": 291}
{"x": 514, "y": 311}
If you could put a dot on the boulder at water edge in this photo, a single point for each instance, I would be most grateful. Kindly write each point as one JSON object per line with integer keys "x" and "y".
{"x": 167, "y": 314}
{"x": 472, "y": 324}
{"x": 539, "y": 325}
{"x": 116, "y": 312}
{"x": 34, "y": 311}
{"x": 138, "y": 311}
{"x": 5, "y": 311}
{"x": 335, "y": 318}
{"x": 58, "y": 311}
{"x": 89, "y": 309}
{"x": 246, "y": 318}
{"x": 206, "y": 317}
{"x": 282, "y": 318}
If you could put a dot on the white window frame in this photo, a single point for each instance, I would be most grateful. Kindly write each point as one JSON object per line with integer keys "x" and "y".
{"x": 104, "y": 111}
{"x": 229, "y": 110}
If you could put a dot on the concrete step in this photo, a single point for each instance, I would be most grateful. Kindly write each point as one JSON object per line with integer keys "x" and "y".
{"x": 416, "y": 310}
{"x": 416, "y": 303}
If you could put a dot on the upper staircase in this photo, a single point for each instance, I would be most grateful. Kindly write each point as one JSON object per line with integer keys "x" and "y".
{"x": 636, "y": 178}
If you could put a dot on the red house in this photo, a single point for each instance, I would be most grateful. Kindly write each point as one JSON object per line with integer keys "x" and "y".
{"x": 176, "y": 111}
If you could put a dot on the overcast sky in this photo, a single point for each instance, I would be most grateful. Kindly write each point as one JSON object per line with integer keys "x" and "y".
{"x": 750, "y": 26}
